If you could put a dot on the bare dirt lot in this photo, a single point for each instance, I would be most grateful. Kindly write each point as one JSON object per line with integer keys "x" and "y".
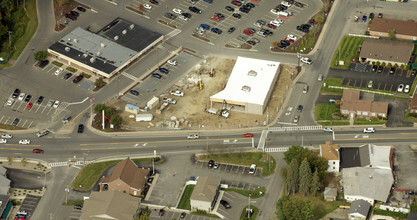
{"x": 189, "y": 112}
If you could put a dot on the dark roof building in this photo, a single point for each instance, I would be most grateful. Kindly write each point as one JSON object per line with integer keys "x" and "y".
{"x": 106, "y": 52}
{"x": 381, "y": 27}
{"x": 359, "y": 209}
{"x": 385, "y": 50}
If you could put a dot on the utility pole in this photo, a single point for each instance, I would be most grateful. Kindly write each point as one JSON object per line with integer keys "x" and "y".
{"x": 153, "y": 162}
{"x": 10, "y": 38}
{"x": 249, "y": 209}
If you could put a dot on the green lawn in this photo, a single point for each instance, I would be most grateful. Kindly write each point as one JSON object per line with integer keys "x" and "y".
{"x": 348, "y": 48}
{"x": 334, "y": 123}
{"x": 389, "y": 213}
{"x": 257, "y": 193}
{"x": 261, "y": 159}
{"x": 74, "y": 202}
{"x": 321, "y": 207}
{"x": 244, "y": 216}
{"x": 332, "y": 82}
{"x": 185, "y": 202}
{"x": 374, "y": 121}
{"x": 10, "y": 127}
{"x": 327, "y": 112}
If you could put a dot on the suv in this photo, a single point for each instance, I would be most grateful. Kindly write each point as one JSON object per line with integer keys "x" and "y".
{"x": 80, "y": 128}
{"x": 299, "y": 108}
{"x": 42, "y": 133}
{"x": 252, "y": 169}
{"x": 170, "y": 100}
{"x": 16, "y": 93}
{"x": 369, "y": 130}
{"x": 210, "y": 163}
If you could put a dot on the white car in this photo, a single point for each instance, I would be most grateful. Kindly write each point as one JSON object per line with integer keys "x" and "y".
{"x": 291, "y": 37}
{"x": 3, "y": 141}
{"x": 56, "y": 104}
{"x": 147, "y": 6}
{"x": 306, "y": 60}
{"x": 400, "y": 88}
{"x": 279, "y": 20}
{"x": 8, "y": 136}
{"x": 177, "y": 93}
{"x": 275, "y": 12}
{"x": 328, "y": 129}
{"x": 176, "y": 10}
{"x": 170, "y": 101}
{"x": 275, "y": 22}
{"x": 296, "y": 118}
{"x": 21, "y": 96}
{"x": 369, "y": 130}
{"x": 193, "y": 136}
{"x": 25, "y": 141}
{"x": 183, "y": 17}
{"x": 252, "y": 169}
{"x": 50, "y": 103}
{"x": 407, "y": 89}
{"x": 286, "y": 3}
{"x": 58, "y": 71}
{"x": 10, "y": 101}
{"x": 172, "y": 62}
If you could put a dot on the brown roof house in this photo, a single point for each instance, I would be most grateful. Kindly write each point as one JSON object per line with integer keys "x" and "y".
{"x": 110, "y": 204}
{"x": 330, "y": 152}
{"x": 380, "y": 27}
{"x": 352, "y": 106}
{"x": 126, "y": 177}
{"x": 205, "y": 193}
{"x": 385, "y": 50}
{"x": 413, "y": 105}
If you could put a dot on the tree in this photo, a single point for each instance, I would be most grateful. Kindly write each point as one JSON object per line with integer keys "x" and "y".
{"x": 292, "y": 177}
{"x": 293, "y": 208}
{"x": 41, "y": 55}
{"x": 319, "y": 18}
{"x": 10, "y": 159}
{"x": 294, "y": 152}
{"x": 304, "y": 176}
{"x": 116, "y": 120}
{"x": 99, "y": 83}
{"x": 276, "y": 43}
{"x": 99, "y": 108}
{"x": 315, "y": 183}
{"x": 24, "y": 161}
{"x": 391, "y": 34}
{"x": 141, "y": 7}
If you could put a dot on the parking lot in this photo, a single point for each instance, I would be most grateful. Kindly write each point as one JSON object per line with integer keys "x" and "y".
{"x": 227, "y": 168}
{"x": 29, "y": 204}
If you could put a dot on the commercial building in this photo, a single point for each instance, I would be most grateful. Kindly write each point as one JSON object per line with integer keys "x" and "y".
{"x": 249, "y": 86}
{"x": 405, "y": 30}
{"x": 205, "y": 194}
{"x": 387, "y": 51}
{"x": 107, "y": 51}
{"x": 352, "y": 106}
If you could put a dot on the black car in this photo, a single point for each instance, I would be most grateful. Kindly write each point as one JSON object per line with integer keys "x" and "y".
{"x": 43, "y": 63}
{"x": 155, "y": 2}
{"x": 230, "y": 31}
{"x": 244, "y": 9}
{"x": 28, "y": 97}
{"x": 80, "y": 128}
{"x": 195, "y": 9}
{"x": 187, "y": 15}
{"x": 249, "y": 5}
{"x": 413, "y": 72}
{"x": 251, "y": 42}
{"x": 81, "y": 9}
{"x": 236, "y": 15}
{"x": 157, "y": 75}
{"x": 210, "y": 163}
{"x": 380, "y": 69}
{"x": 161, "y": 212}
{"x": 225, "y": 204}
{"x": 78, "y": 79}
{"x": 392, "y": 70}
{"x": 285, "y": 43}
{"x": 15, "y": 121}
{"x": 371, "y": 16}
{"x": 299, "y": 108}
{"x": 67, "y": 76}
{"x": 76, "y": 14}
{"x": 16, "y": 93}
{"x": 374, "y": 68}
{"x": 164, "y": 70}
{"x": 134, "y": 92}
{"x": 170, "y": 15}
{"x": 40, "y": 99}
{"x": 299, "y": 5}
{"x": 183, "y": 215}
{"x": 229, "y": 8}
{"x": 78, "y": 207}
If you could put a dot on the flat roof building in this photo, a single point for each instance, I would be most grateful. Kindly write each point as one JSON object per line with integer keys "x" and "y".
{"x": 106, "y": 52}
{"x": 205, "y": 193}
{"x": 249, "y": 86}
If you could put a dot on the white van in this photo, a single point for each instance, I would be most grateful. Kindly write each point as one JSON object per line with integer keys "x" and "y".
{"x": 283, "y": 13}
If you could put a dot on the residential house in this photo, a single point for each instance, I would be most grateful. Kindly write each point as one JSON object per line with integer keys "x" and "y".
{"x": 330, "y": 152}
{"x": 126, "y": 177}
{"x": 330, "y": 194}
{"x": 352, "y": 106}
{"x": 413, "y": 105}
{"x": 205, "y": 194}
{"x": 386, "y": 50}
{"x": 405, "y": 30}
{"x": 359, "y": 210}
{"x": 111, "y": 204}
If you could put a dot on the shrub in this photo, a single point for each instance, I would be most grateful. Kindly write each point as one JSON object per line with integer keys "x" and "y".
{"x": 56, "y": 63}
{"x": 402, "y": 66}
{"x": 87, "y": 76}
{"x": 408, "y": 67}
{"x": 383, "y": 64}
{"x": 378, "y": 63}
{"x": 71, "y": 69}
{"x": 389, "y": 64}
{"x": 396, "y": 65}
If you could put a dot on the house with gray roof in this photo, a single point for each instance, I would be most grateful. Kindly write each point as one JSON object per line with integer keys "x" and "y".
{"x": 330, "y": 193}
{"x": 205, "y": 193}
{"x": 359, "y": 210}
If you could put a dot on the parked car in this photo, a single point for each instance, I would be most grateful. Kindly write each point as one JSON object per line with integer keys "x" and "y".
{"x": 50, "y": 103}
{"x": 369, "y": 130}
{"x": 29, "y": 105}
{"x": 81, "y": 9}
{"x": 296, "y": 118}
{"x": 10, "y": 101}
{"x": 43, "y": 63}
{"x": 407, "y": 88}
{"x": 380, "y": 69}
{"x": 380, "y": 15}
{"x": 237, "y": 15}
{"x": 370, "y": 84}
{"x": 157, "y": 75}
{"x": 172, "y": 62}
{"x": 67, "y": 75}
{"x": 182, "y": 215}
{"x": 170, "y": 15}
{"x": 216, "y": 30}
{"x": 164, "y": 70}
{"x": 28, "y": 98}
{"x": 195, "y": 9}
{"x": 193, "y": 136}
{"x": 231, "y": 30}
{"x": 392, "y": 70}
{"x": 364, "y": 18}
{"x": 371, "y": 16}
{"x": 216, "y": 165}
{"x": 78, "y": 79}
{"x": 177, "y": 93}
{"x": 374, "y": 68}
{"x": 177, "y": 11}
{"x": 170, "y": 101}
{"x": 161, "y": 212}
{"x": 78, "y": 207}
{"x": 252, "y": 169}
{"x": 15, "y": 121}
{"x": 21, "y": 96}
{"x": 56, "y": 104}
{"x": 16, "y": 93}
{"x": 58, "y": 71}
{"x": 225, "y": 204}
{"x": 134, "y": 92}
{"x": 229, "y": 8}
{"x": 400, "y": 88}
{"x": 210, "y": 164}
{"x": 155, "y": 2}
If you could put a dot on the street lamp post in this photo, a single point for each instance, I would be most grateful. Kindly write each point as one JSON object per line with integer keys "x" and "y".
{"x": 249, "y": 209}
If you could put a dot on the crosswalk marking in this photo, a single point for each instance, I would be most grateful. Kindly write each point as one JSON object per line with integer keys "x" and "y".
{"x": 296, "y": 128}
{"x": 61, "y": 108}
{"x": 172, "y": 34}
{"x": 276, "y": 149}
{"x": 129, "y": 76}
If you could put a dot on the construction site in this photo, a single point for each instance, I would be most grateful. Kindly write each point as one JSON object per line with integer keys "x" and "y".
{"x": 187, "y": 105}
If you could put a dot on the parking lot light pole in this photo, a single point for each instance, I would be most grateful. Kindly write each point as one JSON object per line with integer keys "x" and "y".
{"x": 249, "y": 209}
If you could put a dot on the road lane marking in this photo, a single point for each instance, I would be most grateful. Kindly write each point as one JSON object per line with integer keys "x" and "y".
{"x": 25, "y": 145}
{"x": 3, "y": 148}
{"x": 81, "y": 113}
{"x": 117, "y": 148}
{"x": 356, "y": 139}
{"x": 171, "y": 141}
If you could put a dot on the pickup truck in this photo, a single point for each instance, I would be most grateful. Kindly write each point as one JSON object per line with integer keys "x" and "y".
{"x": 177, "y": 93}
{"x": 170, "y": 100}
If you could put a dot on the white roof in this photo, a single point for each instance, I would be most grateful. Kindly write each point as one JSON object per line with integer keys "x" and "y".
{"x": 379, "y": 156}
{"x": 249, "y": 81}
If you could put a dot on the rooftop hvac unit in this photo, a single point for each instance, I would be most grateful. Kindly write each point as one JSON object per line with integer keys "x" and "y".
{"x": 252, "y": 73}
{"x": 98, "y": 53}
{"x": 92, "y": 59}
{"x": 102, "y": 44}
{"x": 246, "y": 88}
{"x": 116, "y": 37}
{"x": 85, "y": 55}
{"x": 131, "y": 26}
{"x": 124, "y": 31}
{"x": 69, "y": 39}
{"x": 75, "y": 40}
{"x": 67, "y": 49}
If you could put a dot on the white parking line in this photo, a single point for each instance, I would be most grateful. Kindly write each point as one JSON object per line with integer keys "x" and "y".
{"x": 39, "y": 106}
{"x": 2, "y": 118}
{"x": 7, "y": 120}
{"x": 50, "y": 109}
{"x": 24, "y": 123}
{"x": 43, "y": 109}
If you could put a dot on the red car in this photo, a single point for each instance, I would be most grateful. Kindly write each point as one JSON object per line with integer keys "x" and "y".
{"x": 249, "y": 31}
{"x": 37, "y": 151}
{"x": 380, "y": 15}
{"x": 218, "y": 17}
{"x": 237, "y": 3}
{"x": 70, "y": 16}
{"x": 29, "y": 106}
{"x": 271, "y": 26}
{"x": 248, "y": 135}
